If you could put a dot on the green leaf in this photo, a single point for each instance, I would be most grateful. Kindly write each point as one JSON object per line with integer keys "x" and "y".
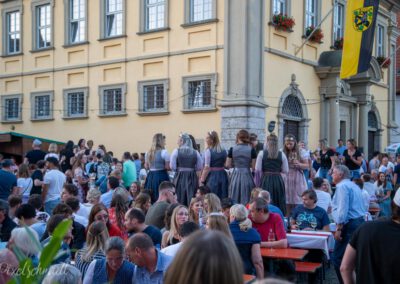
{"x": 24, "y": 274}
{"x": 26, "y": 266}
{"x": 52, "y": 248}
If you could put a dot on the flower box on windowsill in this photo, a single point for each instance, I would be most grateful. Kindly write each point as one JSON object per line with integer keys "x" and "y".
{"x": 317, "y": 36}
{"x": 383, "y": 60}
{"x": 282, "y": 22}
{"x": 338, "y": 44}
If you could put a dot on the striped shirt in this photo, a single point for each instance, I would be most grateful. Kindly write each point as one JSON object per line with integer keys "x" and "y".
{"x": 83, "y": 265}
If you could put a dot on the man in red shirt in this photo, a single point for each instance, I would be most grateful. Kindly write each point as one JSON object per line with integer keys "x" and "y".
{"x": 266, "y": 222}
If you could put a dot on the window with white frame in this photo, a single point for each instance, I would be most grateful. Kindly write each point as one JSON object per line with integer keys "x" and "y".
{"x": 153, "y": 97}
{"x": 75, "y": 103}
{"x": 201, "y": 10}
{"x": 311, "y": 13}
{"x": 13, "y": 32}
{"x": 338, "y": 23}
{"x": 380, "y": 41}
{"x": 155, "y": 14}
{"x": 42, "y": 105}
{"x": 114, "y": 18}
{"x": 76, "y": 21}
{"x": 279, "y": 7}
{"x": 11, "y": 108}
{"x": 199, "y": 95}
{"x": 199, "y": 92}
{"x": 112, "y": 100}
{"x": 43, "y": 26}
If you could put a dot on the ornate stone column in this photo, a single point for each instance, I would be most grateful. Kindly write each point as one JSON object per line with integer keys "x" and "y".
{"x": 393, "y": 33}
{"x": 243, "y": 104}
{"x": 330, "y": 91}
{"x": 363, "y": 126}
{"x": 334, "y": 121}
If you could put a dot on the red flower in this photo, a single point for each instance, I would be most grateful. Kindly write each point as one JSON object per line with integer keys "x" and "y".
{"x": 283, "y": 22}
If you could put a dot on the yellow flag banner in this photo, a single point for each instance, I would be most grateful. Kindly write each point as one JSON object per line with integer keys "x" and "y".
{"x": 358, "y": 38}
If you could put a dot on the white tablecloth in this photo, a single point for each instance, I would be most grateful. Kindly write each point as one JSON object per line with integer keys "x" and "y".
{"x": 311, "y": 240}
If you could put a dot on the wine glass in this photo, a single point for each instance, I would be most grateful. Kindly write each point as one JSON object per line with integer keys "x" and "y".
{"x": 298, "y": 223}
{"x": 313, "y": 223}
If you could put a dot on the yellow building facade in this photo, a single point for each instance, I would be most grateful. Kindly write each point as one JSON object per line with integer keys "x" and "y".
{"x": 118, "y": 71}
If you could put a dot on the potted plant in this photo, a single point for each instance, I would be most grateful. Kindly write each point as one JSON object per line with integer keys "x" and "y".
{"x": 283, "y": 22}
{"x": 317, "y": 35}
{"x": 383, "y": 60}
{"x": 338, "y": 44}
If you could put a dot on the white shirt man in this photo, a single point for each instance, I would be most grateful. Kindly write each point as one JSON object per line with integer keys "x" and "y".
{"x": 53, "y": 183}
{"x": 324, "y": 198}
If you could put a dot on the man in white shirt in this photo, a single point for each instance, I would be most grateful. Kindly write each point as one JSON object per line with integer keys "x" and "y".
{"x": 53, "y": 183}
{"x": 324, "y": 198}
{"x": 73, "y": 202}
{"x": 369, "y": 186}
{"x": 386, "y": 166}
{"x": 185, "y": 231}
{"x": 364, "y": 193}
{"x": 70, "y": 190}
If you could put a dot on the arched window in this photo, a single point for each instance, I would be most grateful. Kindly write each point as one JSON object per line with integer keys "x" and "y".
{"x": 292, "y": 113}
{"x": 292, "y": 107}
{"x": 372, "y": 120}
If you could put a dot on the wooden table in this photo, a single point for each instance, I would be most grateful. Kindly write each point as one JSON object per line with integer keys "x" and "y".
{"x": 284, "y": 253}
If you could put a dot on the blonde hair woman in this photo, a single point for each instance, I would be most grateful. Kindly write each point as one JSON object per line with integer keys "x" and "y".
{"x": 24, "y": 182}
{"x": 218, "y": 222}
{"x": 93, "y": 198}
{"x": 295, "y": 182}
{"x": 96, "y": 238}
{"x": 192, "y": 263}
{"x": 80, "y": 179}
{"x": 212, "y": 203}
{"x": 272, "y": 163}
{"x": 326, "y": 186}
{"x": 52, "y": 151}
{"x": 179, "y": 216}
{"x": 247, "y": 241}
{"x": 214, "y": 175}
{"x": 157, "y": 163}
{"x": 196, "y": 205}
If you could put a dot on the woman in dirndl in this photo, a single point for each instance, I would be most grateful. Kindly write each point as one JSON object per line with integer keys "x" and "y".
{"x": 295, "y": 182}
{"x": 272, "y": 163}
{"x": 242, "y": 158}
{"x": 186, "y": 162}
{"x": 157, "y": 163}
{"x": 214, "y": 175}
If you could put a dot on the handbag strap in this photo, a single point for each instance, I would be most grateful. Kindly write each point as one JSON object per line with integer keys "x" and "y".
{"x": 26, "y": 188}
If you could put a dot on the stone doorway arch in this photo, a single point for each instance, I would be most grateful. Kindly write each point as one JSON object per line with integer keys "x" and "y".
{"x": 292, "y": 113}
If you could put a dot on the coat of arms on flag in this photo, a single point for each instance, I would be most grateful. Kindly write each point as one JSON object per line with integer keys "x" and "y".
{"x": 362, "y": 18}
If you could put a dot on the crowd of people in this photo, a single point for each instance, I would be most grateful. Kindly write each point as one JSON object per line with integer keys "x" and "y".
{"x": 196, "y": 216}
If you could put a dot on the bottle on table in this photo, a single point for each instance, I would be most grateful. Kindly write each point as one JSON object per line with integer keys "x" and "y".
{"x": 271, "y": 236}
